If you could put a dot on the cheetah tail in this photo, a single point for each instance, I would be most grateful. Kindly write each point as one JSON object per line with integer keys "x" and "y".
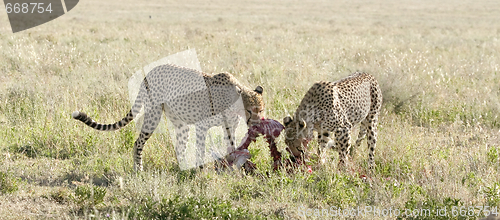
{"x": 102, "y": 127}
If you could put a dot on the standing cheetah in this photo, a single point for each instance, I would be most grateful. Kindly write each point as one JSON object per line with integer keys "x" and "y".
{"x": 187, "y": 97}
{"x": 337, "y": 107}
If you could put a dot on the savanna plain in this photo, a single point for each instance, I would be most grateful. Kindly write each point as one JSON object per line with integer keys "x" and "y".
{"x": 437, "y": 62}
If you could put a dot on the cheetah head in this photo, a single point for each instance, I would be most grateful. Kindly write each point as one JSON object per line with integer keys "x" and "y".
{"x": 254, "y": 106}
{"x": 295, "y": 135}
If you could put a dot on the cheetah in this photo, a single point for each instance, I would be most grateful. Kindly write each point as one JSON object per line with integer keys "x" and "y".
{"x": 336, "y": 107}
{"x": 187, "y": 97}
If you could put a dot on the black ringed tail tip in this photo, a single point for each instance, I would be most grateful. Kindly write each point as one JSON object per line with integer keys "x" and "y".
{"x": 78, "y": 115}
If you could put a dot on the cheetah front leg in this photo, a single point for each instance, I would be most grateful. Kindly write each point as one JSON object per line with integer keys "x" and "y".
{"x": 152, "y": 118}
{"x": 343, "y": 142}
{"x": 201, "y": 134}
{"x": 181, "y": 136}
{"x": 324, "y": 143}
{"x": 230, "y": 124}
{"x": 229, "y": 142}
{"x": 362, "y": 135}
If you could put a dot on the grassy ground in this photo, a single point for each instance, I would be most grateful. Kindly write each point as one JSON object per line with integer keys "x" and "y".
{"x": 438, "y": 65}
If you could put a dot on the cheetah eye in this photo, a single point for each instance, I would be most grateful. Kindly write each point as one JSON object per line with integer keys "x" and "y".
{"x": 250, "y": 112}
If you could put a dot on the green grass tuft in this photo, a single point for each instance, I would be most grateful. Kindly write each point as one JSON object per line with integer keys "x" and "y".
{"x": 8, "y": 183}
{"x": 88, "y": 197}
{"x": 190, "y": 208}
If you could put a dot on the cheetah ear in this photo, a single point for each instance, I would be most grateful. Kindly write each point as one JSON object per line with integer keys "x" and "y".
{"x": 287, "y": 120}
{"x": 259, "y": 90}
{"x": 302, "y": 123}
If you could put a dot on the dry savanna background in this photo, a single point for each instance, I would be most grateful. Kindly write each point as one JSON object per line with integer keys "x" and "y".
{"x": 437, "y": 62}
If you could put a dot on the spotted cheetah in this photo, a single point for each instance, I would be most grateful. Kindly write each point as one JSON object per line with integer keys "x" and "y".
{"x": 187, "y": 97}
{"x": 336, "y": 107}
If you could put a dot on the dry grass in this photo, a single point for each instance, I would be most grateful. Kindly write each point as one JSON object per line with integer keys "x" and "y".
{"x": 438, "y": 65}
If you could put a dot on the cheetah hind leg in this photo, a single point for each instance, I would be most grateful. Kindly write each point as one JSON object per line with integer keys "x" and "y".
{"x": 372, "y": 140}
{"x": 151, "y": 120}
